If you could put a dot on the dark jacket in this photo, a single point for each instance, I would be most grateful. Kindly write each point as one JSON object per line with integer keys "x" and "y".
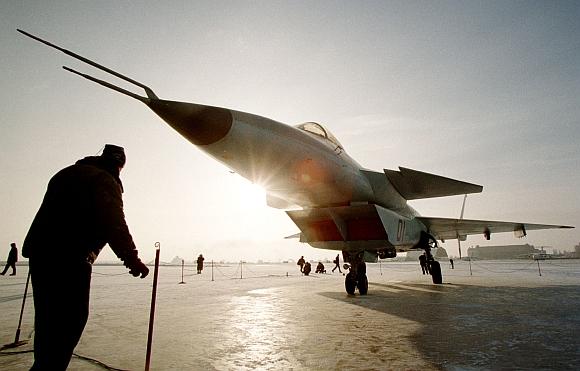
{"x": 13, "y": 255}
{"x": 82, "y": 211}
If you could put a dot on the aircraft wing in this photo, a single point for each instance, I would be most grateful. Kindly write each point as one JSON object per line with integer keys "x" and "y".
{"x": 447, "y": 228}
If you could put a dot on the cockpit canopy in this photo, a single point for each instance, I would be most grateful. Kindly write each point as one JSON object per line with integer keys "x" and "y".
{"x": 321, "y": 132}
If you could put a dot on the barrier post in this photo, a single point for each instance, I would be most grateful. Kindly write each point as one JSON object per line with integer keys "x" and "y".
{"x": 470, "y": 272}
{"x": 17, "y": 338}
{"x": 539, "y": 271}
{"x": 212, "y": 270}
{"x": 152, "y": 312}
{"x": 182, "y": 264}
{"x": 17, "y": 341}
{"x": 241, "y": 265}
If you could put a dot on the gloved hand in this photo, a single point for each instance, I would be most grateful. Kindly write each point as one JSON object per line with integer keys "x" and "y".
{"x": 138, "y": 268}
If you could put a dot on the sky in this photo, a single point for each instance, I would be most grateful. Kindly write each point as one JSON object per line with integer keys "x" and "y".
{"x": 481, "y": 91}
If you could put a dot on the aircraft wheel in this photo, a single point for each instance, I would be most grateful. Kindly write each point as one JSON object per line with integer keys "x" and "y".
{"x": 350, "y": 283}
{"x": 436, "y": 272}
{"x": 363, "y": 285}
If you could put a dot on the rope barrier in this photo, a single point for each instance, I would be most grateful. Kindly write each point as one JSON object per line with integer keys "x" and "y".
{"x": 97, "y": 362}
{"x": 572, "y": 267}
{"x": 110, "y": 274}
{"x": 94, "y": 361}
{"x": 502, "y": 272}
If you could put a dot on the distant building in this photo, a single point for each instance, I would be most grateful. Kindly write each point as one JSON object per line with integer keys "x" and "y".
{"x": 502, "y": 252}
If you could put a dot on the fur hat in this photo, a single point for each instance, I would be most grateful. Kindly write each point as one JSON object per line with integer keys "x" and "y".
{"x": 114, "y": 154}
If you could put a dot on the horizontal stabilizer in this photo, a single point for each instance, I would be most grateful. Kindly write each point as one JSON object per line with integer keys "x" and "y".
{"x": 448, "y": 229}
{"x": 413, "y": 184}
{"x": 295, "y": 235}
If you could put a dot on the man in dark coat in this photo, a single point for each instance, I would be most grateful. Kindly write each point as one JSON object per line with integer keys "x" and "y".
{"x": 82, "y": 211}
{"x": 200, "y": 260}
{"x": 12, "y": 259}
{"x": 424, "y": 264}
{"x": 307, "y": 268}
{"x": 301, "y": 263}
{"x": 337, "y": 263}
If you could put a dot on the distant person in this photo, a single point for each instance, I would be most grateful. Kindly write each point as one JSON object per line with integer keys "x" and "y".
{"x": 451, "y": 262}
{"x": 301, "y": 263}
{"x": 320, "y": 268}
{"x": 423, "y": 263}
{"x": 12, "y": 259}
{"x": 336, "y": 262}
{"x": 82, "y": 211}
{"x": 307, "y": 268}
{"x": 200, "y": 260}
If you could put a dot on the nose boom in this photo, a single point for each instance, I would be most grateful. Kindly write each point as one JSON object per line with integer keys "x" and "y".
{"x": 201, "y": 125}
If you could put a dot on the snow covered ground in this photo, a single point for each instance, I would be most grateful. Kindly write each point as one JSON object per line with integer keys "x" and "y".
{"x": 503, "y": 316}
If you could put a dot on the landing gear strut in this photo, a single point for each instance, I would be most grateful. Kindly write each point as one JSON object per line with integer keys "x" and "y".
{"x": 426, "y": 242}
{"x": 357, "y": 275}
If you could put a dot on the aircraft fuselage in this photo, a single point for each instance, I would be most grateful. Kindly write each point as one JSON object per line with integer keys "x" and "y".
{"x": 301, "y": 168}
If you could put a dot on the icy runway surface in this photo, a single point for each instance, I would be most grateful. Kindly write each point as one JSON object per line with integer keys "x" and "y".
{"x": 504, "y": 316}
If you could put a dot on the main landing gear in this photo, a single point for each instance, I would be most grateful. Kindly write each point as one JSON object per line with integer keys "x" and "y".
{"x": 426, "y": 242}
{"x": 357, "y": 275}
{"x": 435, "y": 269}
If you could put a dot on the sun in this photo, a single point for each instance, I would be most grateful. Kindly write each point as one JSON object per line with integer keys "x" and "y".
{"x": 250, "y": 195}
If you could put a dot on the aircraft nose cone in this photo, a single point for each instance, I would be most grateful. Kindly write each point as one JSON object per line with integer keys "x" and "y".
{"x": 201, "y": 125}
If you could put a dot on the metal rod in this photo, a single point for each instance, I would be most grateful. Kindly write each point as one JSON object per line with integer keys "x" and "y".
{"x": 108, "y": 85}
{"x": 539, "y": 271}
{"x": 182, "y": 264}
{"x": 212, "y": 270}
{"x": 148, "y": 90}
{"x": 241, "y": 265}
{"x": 17, "y": 338}
{"x": 470, "y": 272}
{"x": 152, "y": 313}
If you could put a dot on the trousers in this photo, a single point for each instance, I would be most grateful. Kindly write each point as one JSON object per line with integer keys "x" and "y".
{"x": 61, "y": 310}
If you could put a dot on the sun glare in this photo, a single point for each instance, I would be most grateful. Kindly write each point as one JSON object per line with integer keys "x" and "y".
{"x": 251, "y": 195}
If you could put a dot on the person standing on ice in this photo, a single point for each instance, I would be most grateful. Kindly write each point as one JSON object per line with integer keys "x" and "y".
{"x": 82, "y": 211}
{"x": 12, "y": 259}
{"x": 200, "y": 260}
{"x": 301, "y": 263}
{"x": 337, "y": 263}
{"x": 423, "y": 263}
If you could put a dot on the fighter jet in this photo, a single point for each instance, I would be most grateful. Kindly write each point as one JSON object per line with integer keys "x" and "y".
{"x": 335, "y": 202}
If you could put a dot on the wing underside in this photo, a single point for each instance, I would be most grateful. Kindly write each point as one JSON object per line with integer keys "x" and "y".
{"x": 447, "y": 228}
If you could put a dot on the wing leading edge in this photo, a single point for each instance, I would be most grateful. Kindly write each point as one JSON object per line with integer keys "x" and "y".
{"x": 447, "y": 228}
